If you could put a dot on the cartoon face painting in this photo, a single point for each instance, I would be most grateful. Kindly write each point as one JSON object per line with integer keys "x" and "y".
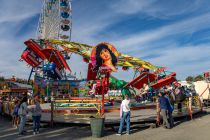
{"x": 104, "y": 54}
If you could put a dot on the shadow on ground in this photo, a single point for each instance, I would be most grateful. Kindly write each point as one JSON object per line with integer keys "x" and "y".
{"x": 73, "y": 131}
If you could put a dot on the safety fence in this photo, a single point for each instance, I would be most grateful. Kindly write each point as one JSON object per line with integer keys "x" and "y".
{"x": 77, "y": 109}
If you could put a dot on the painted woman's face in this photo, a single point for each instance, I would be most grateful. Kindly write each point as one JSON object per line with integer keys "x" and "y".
{"x": 105, "y": 55}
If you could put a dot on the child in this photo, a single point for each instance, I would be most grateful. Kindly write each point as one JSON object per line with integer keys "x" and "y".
{"x": 15, "y": 119}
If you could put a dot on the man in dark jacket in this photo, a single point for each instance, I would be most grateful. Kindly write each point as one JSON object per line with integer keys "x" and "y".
{"x": 164, "y": 108}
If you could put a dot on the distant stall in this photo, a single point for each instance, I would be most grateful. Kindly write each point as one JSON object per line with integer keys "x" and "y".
{"x": 60, "y": 88}
{"x": 9, "y": 90}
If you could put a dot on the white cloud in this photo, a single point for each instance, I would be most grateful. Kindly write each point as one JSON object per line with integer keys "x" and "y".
{"x": 12, "y": 15}
{"x": 131, "y": 6}
{"x": 16, "y": 10}
{"x": 185, "y": 60}
{"x": 158, "y": 8}
{"x": 185, "y": 27}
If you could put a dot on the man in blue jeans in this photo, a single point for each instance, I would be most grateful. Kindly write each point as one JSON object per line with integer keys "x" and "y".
{"x": 164, "y": 105}
{"x": 36, "y": 115}
{"x": 125, "y": 115}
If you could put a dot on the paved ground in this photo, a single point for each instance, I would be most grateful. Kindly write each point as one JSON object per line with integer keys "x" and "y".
{"x": 196, "y": 129}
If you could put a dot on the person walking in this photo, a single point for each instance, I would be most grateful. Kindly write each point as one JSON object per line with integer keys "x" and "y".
{"x": 22, "y": 112}
{"x": 46, "y": 99}
{"x": 36, "y": 115}
{"x": 164, "y": 108}
{"x": 170, "y": 109}
{"x": 125, "y": 115}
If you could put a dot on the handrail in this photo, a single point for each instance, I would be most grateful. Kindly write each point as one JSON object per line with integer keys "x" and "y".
{"x": 76, "y": 108}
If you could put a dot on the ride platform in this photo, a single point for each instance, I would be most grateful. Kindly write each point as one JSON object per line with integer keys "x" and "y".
{"x": 141, "y": 113}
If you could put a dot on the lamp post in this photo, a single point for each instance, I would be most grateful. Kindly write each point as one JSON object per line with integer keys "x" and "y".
{"x": 47, "y": 88}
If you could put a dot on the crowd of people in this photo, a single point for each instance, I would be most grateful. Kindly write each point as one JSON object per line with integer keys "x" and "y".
{"x": 20, "y": 112}
{"x": 167, "y": 97}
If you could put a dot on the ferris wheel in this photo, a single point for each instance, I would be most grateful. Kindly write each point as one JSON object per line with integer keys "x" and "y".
{"x": 55, "y": 20}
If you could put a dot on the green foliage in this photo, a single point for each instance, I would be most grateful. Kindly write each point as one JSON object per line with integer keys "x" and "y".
{"x": 189, "y": 79}
{"x": 199, "y": 78}
{"x": 2, "y": 79}
{"x": 19, "y": 80}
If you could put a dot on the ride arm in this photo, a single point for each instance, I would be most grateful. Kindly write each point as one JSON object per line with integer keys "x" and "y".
{"x": 85, "y": 51}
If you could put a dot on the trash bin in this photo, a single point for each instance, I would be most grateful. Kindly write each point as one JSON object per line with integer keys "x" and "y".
{"x": 97, "y": 127}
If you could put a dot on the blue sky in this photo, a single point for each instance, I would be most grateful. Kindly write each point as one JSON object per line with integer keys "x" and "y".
{"x": 174, "y": 33}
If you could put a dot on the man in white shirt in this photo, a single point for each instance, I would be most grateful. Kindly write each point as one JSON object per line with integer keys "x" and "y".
{"x": 93, "y": 91}
{"x": 125, "y": 115}
{"x": 46, "y": 99}
{"x": 145, "y": 90}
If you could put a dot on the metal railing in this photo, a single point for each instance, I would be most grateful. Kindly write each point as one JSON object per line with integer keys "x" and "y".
{"x": 77, "y": 109}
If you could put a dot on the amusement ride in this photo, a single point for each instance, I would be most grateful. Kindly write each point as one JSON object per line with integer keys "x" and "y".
{"x": 49, "y": 52}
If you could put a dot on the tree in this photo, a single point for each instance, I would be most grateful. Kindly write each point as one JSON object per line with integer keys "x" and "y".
{"x": 189, "y": 79}
{"x": 2, "y": 79}
{"x": 199, "y": 78}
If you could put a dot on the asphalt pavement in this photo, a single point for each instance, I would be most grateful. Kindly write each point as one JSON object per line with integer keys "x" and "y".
{"x": 196, "y": 129}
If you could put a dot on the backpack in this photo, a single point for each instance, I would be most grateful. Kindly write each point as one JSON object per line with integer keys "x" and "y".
{"x": 170, "y": 107}
{"x": 22, "y": 110}
{"x": 16, "y": 110}
{"x": 38, "y": 109}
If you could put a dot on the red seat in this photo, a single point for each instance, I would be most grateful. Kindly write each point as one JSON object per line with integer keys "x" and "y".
{"x": 144, "y": 78}
{"x": 206, "y": 74}
{"x": 159, "y": 70}
{"x": 53, "y": 55}
{"x": 165, "y": 81}
{"x": 35, "y": 52}
{"x": 30, "y": 58}
{"x": 36, "y": 48}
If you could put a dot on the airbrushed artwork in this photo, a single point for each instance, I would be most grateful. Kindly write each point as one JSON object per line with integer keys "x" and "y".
{"x": 104, "y": 55}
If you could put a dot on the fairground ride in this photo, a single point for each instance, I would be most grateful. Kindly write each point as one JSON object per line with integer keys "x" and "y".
{"x": 48, "y": 53}
{"x": 55, "y": 22}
